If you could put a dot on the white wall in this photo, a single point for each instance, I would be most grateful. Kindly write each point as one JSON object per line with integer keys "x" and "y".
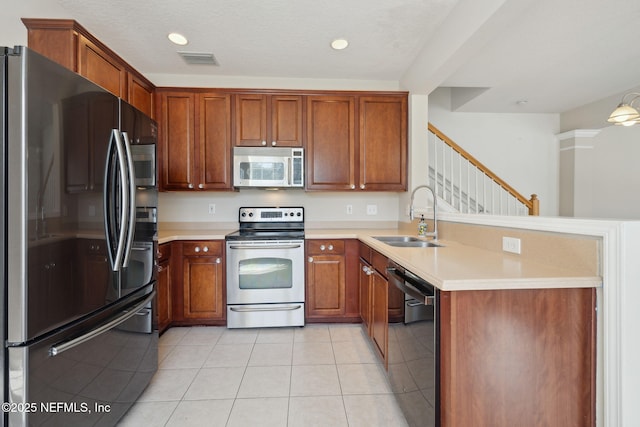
{"x": 607, "y": 162}
{"x": 319, "y": 206}
{"x": 13, "y": 30}
{"x": 520, "y": 148}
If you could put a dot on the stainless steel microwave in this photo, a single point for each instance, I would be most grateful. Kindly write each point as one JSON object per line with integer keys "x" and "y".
{"x": 268, "y": 167}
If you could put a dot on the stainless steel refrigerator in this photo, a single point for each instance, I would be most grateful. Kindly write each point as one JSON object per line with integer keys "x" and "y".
{"x": 79, "y": 238}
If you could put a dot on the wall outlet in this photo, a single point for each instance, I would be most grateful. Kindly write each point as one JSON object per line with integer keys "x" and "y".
{"x": 372, "y": 209}
{"x": 212, "y": 208}
{"x": 511, "y": 244}
{"x": 349, "y": 209}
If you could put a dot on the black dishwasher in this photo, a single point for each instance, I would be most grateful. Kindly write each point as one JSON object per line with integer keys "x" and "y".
{"x": 413, "y": 347}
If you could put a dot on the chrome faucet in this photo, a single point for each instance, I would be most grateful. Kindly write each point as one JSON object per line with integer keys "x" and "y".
{"x": 434, "y": 233}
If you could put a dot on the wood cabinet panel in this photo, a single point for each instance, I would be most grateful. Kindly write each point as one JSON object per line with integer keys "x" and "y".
{"x": 331, "y": 151}
{"x": 195, "y": 140}
{"x": 203, "y": 281}
{"x": 251, "y": 120}
{"x": 268, "y": 120}
{"x": 534, "y": 350}
{"x": 332, "y": 292}
{"x": 286, "y": 120}
{"x": 383, "y": 143}
{"x": 101, "y": 68}
{"x": 325, "y": 286}
{"x": 141, "y": 94}
{"x": 214, "y": 143}
{"x": 177, "y": 140}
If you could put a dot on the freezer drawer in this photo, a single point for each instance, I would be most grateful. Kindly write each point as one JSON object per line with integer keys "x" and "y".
{"x": 84, "y": 378}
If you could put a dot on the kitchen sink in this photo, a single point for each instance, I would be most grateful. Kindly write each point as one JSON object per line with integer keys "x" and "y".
{"x": 406, "y": 242}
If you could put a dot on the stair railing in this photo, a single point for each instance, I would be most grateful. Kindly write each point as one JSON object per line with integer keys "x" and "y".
{"x": 469, "y": 186}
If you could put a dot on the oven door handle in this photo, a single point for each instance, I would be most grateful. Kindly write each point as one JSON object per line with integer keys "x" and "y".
{"x": 265, "y": 247}
{"x": 246, "y": 310}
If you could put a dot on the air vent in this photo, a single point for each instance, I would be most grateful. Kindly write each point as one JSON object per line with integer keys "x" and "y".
{"x": 199, "y": 58}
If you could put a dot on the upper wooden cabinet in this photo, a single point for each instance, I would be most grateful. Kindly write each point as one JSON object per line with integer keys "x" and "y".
{"x": 194, "y": 140}
{"x": 331, "y": 152}
{"x": 71, "y": 45}
{"x": 382, "y": 143}
{"x": 374, "y": 160}
{"x": 268, "y": 120}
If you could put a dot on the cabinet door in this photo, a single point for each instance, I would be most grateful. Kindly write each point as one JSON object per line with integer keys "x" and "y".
{"x": 379, "y": 314}
{"x": 176, "y": 140}
{"x": 331, "y": 153}
{"x": 203, "y": 281}
{"x": 383, "y": 143}
{"x": 214, "y": 142}
{"x": 325, "y": 285}
{"x": 286, "y": 121}
{"x": 364, "y": 282}
{"x": 251, "y": 120}
{"x": 140, "y": 94}
{"x": 102, "y": 69}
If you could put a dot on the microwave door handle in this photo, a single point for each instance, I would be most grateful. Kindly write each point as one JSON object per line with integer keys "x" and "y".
{"x": 289, "y": 174}
{"x": 131, "y": 224}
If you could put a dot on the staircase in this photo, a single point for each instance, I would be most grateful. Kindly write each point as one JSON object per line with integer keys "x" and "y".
{"x": 468, "y": 186}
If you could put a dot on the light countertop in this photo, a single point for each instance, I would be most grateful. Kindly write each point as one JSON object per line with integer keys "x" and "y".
{"x": 452, "y": 267}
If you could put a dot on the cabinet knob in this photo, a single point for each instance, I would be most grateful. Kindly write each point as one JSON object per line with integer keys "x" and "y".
{"x": 273, "y": 143}
{"x": 190, "y": 185}
{"x": 362, "y": 186}
{"x": 160, "y": 268}
{"x": 330, "y": 247}
{"x": 218, "y": 260}
{"x": 264, "y": 142}
{"x": 322, "y": 247}
{"x": 310, "y": 259}
{"x": 205, "y": 249}
{"x": 200, "y": 186}
{"x": 197, "y": 249}
{"x": 353, "y": 186}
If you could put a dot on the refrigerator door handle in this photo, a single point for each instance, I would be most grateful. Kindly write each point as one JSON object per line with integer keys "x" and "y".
{"x": 109, "y": 194}
{"x": 124, "y": 205}
{"x": 61, "y": 347}
{"x": 131, "y": 224}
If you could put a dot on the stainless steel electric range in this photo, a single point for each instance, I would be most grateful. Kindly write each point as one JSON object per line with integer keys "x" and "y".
{"x": 265, "y": 268}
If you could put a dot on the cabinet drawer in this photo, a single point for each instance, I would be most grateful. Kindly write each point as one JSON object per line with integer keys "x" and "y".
{"x": 164, "y": 251}
{"x": 365, "y": 252}
{"x": 322, "y": 247}
{"x": 202, "y": 248}
{"x": 379, "y": 262}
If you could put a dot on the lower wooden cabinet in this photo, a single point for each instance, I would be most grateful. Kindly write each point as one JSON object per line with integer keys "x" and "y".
{"x": 203, "y": 280}
{"x": 332, "y": 293}
{"x": 191, "y": 284}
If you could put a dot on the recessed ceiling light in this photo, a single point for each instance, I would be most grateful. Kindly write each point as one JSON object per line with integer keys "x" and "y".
{"x": 178, "y": 39}
{"x": 339, "y": 44}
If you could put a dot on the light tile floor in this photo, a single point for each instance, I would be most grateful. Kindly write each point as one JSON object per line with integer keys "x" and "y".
{"x": 319, "y": 375}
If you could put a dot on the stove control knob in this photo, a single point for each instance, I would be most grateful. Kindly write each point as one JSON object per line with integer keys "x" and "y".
{"x": 299, "y": 213}
{"x": 243, "y": 214}
{"x": 250, "y": 214}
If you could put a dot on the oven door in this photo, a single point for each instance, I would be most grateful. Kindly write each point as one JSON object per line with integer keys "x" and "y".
{"x": 261, "y": 272}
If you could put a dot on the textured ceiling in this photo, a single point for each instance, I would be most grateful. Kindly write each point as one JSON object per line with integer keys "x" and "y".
{"x": 555, "y": 54}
